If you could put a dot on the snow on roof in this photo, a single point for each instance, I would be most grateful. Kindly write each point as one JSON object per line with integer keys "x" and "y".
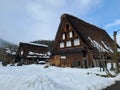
{"x": 38, "y": 55}
{"x": 34, "y": 56}
{"x": 36, "y": 44}
{"x": 39, "y": 44}
{"x": 41, "y": 54}
{"x": 99, "y": 46}
{"x": 108, "y": 48}
{"x": 33, "y": 53}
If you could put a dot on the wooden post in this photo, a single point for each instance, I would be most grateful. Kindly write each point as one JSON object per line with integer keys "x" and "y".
{"x": 115, "y": 53}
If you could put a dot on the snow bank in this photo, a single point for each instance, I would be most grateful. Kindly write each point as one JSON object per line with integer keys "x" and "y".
{"x": 36, "y": 77}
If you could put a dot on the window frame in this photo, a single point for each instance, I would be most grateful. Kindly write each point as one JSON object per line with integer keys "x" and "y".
{"x": 68, "y": 43}
{"x": 62, "y": 45}
{"x": 76, "y": 42}
{"x": 63, "y": 36}
{"x": 70, "y": 34}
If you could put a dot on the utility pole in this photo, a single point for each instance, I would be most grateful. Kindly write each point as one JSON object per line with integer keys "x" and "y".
{"x": 115, "y": 53}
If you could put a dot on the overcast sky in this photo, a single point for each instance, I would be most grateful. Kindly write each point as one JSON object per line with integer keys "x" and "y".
{"x": 28, "y": 20}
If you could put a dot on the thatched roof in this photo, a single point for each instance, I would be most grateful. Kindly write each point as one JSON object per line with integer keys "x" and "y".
{"x": 93, "y": 36}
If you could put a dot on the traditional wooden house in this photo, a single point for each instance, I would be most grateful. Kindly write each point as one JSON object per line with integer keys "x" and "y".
{"x": 78, "y": 43}
{"x": 29, "y": 53}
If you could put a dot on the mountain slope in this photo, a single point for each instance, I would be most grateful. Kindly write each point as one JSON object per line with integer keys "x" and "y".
{"x": 4, "y": 43}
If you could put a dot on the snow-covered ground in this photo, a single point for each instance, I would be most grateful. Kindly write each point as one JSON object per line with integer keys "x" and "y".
{"x": 36, "y": 77}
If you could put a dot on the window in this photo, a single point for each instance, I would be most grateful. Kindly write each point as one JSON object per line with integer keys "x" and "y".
{"x": 70, "y": 34}
{"x": 67, "y": 26}
{"x": 68, "y": 43}
{"x": 21, "y": 52}
{"x": 63, "y": 36}
{"x": 76, "y": 42}
{"x": 63, "y": 57}
{"x": 62, "y": 45}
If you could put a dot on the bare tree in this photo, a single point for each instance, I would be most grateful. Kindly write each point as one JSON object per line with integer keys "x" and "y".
{"x": 7, "y": 54}
{"x": 3, "y": 56}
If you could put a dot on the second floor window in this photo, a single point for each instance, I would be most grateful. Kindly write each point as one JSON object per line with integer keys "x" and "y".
{"x": 76, "y": 42}
{"x": 71, "y": 34}
{"x": 67, "y": 26}
{"x": 68, "y": 44}
{"x": 62, "y": 45}
{"x": 63, "y": 36}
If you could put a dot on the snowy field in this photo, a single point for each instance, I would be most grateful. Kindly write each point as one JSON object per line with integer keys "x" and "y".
{"x": 36, "y": 77}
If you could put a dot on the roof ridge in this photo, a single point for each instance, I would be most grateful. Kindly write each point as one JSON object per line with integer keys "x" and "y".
{"x": 85, "y": 30}
{"x": 35, "y": 44}
{"x": 87, "y": 23}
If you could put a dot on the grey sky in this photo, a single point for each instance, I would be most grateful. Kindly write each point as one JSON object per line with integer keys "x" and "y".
{"x": 28, "y": 20}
